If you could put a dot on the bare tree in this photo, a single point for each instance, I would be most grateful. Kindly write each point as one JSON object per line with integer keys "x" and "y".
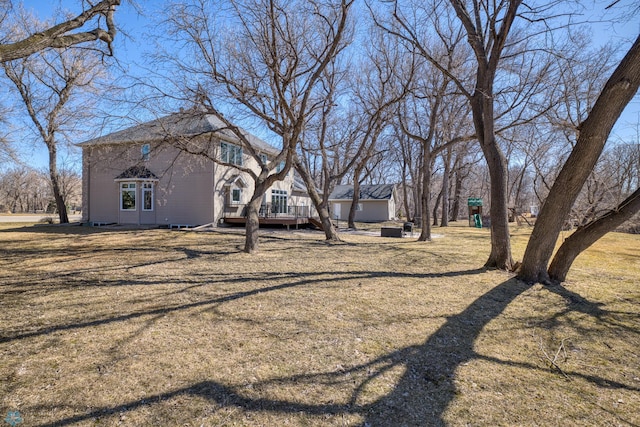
{"x": 265, "y": 59}
{"x": 593, "y": 134}
{"x": 407, "y": 152}
{"x": 429, "y": 101}
{"x": 378, "y": 87}
{"x": 47, "y": 84}
{"x": 322, "y": 158}
{"x": 63, "y": 34}
{"x": 7, "y": 152}
{"x": 24, "y": 189}
{"x": 321, "y": 146}
{"x": 488, "y": 30}
{"x": 590, "y": 233}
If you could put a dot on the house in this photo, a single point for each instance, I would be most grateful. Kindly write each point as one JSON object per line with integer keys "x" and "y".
{"x": 377, "y": 202}
{"x": 161, "y": 173}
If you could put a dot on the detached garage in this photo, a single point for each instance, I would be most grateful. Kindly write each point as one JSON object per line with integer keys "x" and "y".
{"x": 376, "y": 202}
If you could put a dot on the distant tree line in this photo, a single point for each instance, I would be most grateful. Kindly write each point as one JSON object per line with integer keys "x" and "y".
{"x": 28, "y": 190}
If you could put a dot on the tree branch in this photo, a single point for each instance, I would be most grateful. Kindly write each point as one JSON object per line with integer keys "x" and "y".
{"x": 58, "y": 36}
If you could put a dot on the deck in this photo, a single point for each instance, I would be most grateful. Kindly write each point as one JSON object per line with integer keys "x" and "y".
{"x": 271, "y": 215}
{"x": 286, "y": 221}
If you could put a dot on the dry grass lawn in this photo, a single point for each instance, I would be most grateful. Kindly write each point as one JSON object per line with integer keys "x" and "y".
{"x": 174, "y": 328}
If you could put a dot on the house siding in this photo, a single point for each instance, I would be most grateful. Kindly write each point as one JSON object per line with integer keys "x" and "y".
{"x": 187, "y": 184}
{"x": 372, "y": 210}
{"x": 378, "y": 202}
{"x": 190, "y": 190}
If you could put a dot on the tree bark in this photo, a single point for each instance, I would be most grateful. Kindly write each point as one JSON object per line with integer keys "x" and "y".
{"x": 252, "y": 226}
{"x": 588, "y": 234}
{"x": 457, "y": 192}
{"x": 444, "y": 222}
{"x": 594, "y": 132}
{"x": 436, "y": 206}
{"x": 425, "y": 234}
{"x": 321, "y": 206}
{"x": 55, "y": 185}
{"x": 60, "y": 36}
{"x": 483, "y": 117}
{"x": 354, "y": 201}
{"x": 488, "y": 56}
{"x": 500, "y": 256}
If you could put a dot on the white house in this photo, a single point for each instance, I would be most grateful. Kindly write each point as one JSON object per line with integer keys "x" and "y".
{"x": 376, "y": 202}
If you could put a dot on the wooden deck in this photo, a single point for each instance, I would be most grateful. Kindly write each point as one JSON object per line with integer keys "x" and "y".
{"x": 264, "y": 221}
{"x": 271, "y": 216}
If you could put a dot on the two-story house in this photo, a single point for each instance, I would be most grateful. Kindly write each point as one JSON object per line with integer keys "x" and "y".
{"x": 162, "y": 172}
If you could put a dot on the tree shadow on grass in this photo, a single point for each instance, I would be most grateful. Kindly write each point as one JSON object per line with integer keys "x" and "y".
{"x": 420, "y": 397}
{"x": 298, "y": 279}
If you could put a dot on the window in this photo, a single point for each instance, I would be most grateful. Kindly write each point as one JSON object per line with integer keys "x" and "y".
{"x": 144, "y": 151}
{"x": 278, "y": 201}
{"x": 263, "y": 159}
{"x": 128, "y": 196}
{"x": 230, "y": 153}
{"x": 147, "y": 196}
{"x": 280, "y": 167}
{"x": 359, "y": 207}
{"x": 236, "y": 194}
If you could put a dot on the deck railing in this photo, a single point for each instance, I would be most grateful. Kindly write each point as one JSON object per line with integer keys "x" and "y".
{"x": 267, "y": 210}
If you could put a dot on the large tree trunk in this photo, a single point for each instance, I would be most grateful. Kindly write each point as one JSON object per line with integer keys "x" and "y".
{"x": 436, "y": 206}
{"x": 351, "y": 223}
{"x": 55, "y": 184}
{"x": 488, "y": 56}
{"x": 594, "y": 132}
{"x": 444, "y": 222}
{"x": 457, "y": 192}
{"x": 325, "y": 218}
{"x": 60, "y": 203}
{"x": 483, "y": 117}
{"x": 500, "y": 256}
{"x": 587, "y": 235}
{"x": 425, "y": 234}
{"x": 252, "y": 226}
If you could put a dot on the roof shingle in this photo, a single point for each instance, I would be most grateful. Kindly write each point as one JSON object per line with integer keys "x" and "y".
{"x": 185, "y": 124}
{"x": 367, "y": 192}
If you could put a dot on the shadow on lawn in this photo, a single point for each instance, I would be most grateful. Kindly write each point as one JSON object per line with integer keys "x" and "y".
{"x": 301, "y": 279}
{"x": 420, "y": 397}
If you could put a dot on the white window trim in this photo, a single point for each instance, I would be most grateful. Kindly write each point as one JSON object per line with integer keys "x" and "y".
{"x": 151, "y": 190}
{"x": 283, "y": 199}
{"x": 128, "y": 189}
{"x": 239, "y": 190}
{"x": 231, "y": 153}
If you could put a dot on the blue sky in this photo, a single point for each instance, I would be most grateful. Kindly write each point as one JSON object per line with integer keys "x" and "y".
{"x": 136, "y": 22}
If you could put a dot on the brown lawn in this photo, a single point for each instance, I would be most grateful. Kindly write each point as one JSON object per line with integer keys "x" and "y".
{"x": 164, "y": 328}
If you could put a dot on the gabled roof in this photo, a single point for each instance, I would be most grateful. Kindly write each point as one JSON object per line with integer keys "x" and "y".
{"x": 188, "y": 123}
{"x": 236, "y": 180}
{"x": 367, "y": 192}
{"x": 137, "y": 172}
